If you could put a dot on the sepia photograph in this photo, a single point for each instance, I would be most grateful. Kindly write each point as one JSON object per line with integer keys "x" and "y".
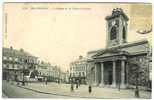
{"x": 76, "y": 50}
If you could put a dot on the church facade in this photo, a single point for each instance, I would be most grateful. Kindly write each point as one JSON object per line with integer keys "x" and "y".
{"x": 121, "y": 63}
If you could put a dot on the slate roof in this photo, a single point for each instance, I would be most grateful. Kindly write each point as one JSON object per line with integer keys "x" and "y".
{"x": 79, "y": 60}
{"x": 15, "y": 52}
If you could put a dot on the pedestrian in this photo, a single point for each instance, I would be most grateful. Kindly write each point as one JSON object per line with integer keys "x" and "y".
{"x": 17, "y": 80}
{"x": 46, "y": 80}
{"x": 72, "y": 87}
{"x": 76, "y": 85}
{"x": 89, "y": 89}
{"x": 137, "y": 92}
{"x": 15, "y": 77}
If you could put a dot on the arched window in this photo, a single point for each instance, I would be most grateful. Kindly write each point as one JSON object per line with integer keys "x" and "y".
{"x": 124, "y": 33}
{"x": 113, "y": 33}
{"x": 83, "y": 74}
{"x": 79, "y": 73}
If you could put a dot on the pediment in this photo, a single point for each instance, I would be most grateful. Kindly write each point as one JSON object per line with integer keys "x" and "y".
{"x": 108, "y": 53}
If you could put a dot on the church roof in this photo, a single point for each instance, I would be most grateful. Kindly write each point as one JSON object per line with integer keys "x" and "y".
{"x": 110, "y": 52}
{"x": 134, "y": 45}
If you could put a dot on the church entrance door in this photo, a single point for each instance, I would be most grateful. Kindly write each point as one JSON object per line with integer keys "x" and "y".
{"x": 108, "y": 74}
{"x": 110, "y": 77}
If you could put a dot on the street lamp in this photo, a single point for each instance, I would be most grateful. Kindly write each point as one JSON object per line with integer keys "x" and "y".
{"x": 23, "y": 81}
{"x": 23, "y": 71}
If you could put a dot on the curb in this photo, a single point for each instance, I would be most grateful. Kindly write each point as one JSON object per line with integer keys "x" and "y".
{"x": 73, "y": 96}
{"x": 62, "y": 94}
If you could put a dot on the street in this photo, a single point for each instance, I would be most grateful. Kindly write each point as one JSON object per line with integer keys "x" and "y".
{"x": 12, "y": 91}
{"x": 54, "y": 90}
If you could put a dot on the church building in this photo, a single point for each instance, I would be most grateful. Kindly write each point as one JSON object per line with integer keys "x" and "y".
{"x": 116, "y": 64}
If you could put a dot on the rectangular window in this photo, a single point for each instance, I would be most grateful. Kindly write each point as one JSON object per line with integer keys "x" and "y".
{"x": 16, "y": 66}
{"x": 16, "y": 59}
{"x": 4, "y": 66}
{"x": 10, "y": 66}
{"x": 10, "y": 58}
{"x": 4, "y": 58}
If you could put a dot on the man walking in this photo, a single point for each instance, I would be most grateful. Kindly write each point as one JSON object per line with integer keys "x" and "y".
{"x": 46, "y": 80}
{"x": 72, "y": 87}
{"x": 76, "y": 85}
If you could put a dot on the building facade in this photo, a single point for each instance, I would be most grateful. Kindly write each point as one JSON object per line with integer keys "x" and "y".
{"x": 64, "y": 77}
{"x": 47, "y": 70}
{"x": 113, "y": 66}
{"x": 16, "y": 62}
{"x": 78, "y": 70}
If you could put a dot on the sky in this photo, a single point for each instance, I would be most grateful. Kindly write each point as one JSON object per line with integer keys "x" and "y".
{"x": 60, "y": 32}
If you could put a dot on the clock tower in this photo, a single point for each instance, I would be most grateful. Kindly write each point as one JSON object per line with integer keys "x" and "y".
{"x": 116, "y": 28}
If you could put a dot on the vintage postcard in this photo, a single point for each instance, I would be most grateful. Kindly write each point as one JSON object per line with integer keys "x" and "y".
{"x": 77, "y": 50}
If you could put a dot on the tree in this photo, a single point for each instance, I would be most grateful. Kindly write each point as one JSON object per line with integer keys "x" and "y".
{"x": 135, "y": 70}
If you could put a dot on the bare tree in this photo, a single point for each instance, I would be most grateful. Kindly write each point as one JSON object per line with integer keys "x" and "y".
{"x": 135, "y": 70}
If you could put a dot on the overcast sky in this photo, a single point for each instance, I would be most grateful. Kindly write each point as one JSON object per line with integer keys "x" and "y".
{"x": 59, "y": 33}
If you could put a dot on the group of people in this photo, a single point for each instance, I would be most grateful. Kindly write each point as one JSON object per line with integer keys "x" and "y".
{"x": 77, "y": 85}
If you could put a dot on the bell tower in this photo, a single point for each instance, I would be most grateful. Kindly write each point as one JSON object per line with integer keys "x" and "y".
{"x": 116, "y": 28}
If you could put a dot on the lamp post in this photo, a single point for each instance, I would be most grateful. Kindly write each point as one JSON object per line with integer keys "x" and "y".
{"x": 23, "y": 80}
{"x": 25, "y": 63}
{"x": 23, "y": 71}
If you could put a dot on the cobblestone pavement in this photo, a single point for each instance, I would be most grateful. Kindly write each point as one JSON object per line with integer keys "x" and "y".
{"x": 82, "y": 91}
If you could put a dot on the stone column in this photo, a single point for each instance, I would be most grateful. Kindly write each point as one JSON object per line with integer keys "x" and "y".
{"x": 122, "y": 74}
{"x": 102, "y": 74}
{"x": 95, "y": 74}
{"x": 114, "y": 74}
{"x": 126, "y": 74}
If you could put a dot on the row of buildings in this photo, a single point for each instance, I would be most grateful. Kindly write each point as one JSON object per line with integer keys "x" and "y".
{"x": 16, "y": 62}
{"x": 19, "y": 63}
{"x": 121, "y": 63}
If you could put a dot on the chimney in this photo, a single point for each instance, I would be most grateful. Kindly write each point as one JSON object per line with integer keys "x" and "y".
{"x": 21, "y": 50}
{"x": 80, "y": 57}
{"x": 11, "y": 47}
